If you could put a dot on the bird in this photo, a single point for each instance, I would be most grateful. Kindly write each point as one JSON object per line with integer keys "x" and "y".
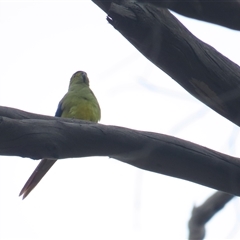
{"x": 80, "y": 103}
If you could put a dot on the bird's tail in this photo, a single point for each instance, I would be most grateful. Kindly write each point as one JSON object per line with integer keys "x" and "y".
{"x": 36, "y": 176}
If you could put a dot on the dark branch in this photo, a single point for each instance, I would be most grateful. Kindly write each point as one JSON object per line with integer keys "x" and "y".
{"x": 196, "y": 66}
{"x": 38, "y": 136}
{"x": 224, "y": 13}
{"x": 202, "y": 214}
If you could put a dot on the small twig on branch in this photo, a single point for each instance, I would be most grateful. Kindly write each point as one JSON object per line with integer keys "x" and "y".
{"x": 202, "y": 214}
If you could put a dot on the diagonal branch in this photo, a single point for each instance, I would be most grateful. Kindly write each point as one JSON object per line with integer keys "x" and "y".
{"x": 37, "y": 136}
{"x": 224, "y": 13}
{"x": 202, "y": 214}
{"x": 196, "y": 66}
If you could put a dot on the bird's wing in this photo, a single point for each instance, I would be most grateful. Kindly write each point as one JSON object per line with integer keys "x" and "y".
{"x": 59, "y": 110}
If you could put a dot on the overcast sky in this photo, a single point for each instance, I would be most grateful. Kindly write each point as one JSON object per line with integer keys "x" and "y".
{"x": 42, "y": 44}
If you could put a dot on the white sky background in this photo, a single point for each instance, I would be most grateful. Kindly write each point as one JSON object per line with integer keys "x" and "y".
{"x": 42, "y": 44}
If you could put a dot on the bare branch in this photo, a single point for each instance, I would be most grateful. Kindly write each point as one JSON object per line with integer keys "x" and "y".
{"x": 196, "y": 66}
{"x": 37, "y": 136}
{"x": 224, "y": 13}
{"x": 202, "y": 214}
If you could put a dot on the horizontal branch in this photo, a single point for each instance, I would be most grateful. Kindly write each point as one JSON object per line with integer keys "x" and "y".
{"x": 199, "y": 68}
{"x": 224, "y": 13}
{"x": 37, "y": 136}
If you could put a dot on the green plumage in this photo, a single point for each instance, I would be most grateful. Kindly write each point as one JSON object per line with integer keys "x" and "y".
{"x": 79, "y": 102}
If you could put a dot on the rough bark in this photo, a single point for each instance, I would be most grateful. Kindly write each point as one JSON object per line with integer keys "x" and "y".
{"x": 199, "y": 68}
{"x": 224, "y": 13}
{"x": 36, "y": 136}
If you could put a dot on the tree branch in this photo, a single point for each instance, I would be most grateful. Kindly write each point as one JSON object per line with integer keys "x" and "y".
{"x": 202, "y": 214}
{"x": 37, "y": 136}
{"x": 196, "y": 66}
{"x": 224, "y": 13}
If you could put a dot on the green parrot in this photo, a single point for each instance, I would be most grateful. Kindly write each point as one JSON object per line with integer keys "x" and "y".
{"x": 79, "y": 102}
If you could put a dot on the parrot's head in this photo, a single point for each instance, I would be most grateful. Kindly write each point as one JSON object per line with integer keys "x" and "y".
{"x": 79, "y": 77}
